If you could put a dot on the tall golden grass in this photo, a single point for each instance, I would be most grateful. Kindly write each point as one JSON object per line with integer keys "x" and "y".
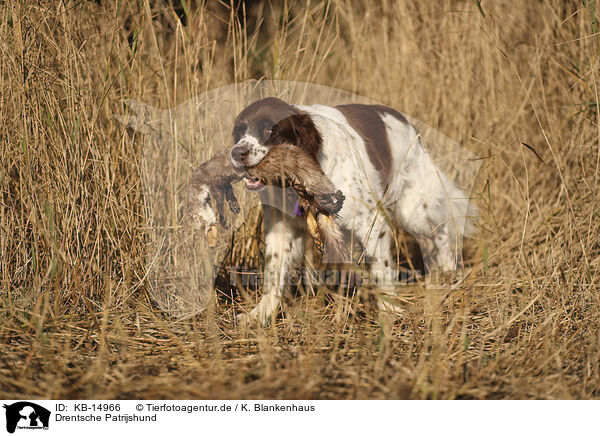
{"x": 515, "y": 82}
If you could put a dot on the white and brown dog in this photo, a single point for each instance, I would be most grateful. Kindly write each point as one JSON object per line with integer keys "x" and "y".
{"x": 378, "y": 160}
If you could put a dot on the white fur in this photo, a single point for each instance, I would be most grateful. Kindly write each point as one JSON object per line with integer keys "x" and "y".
{"x": 284, "y": 241}
{"x": 425, "y": 202}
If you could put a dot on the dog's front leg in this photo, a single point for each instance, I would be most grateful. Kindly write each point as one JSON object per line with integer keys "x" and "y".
{"x": 284, "y": 249}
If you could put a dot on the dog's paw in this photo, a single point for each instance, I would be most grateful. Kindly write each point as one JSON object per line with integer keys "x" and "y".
{"x": 331, "y": 203}
{"x": 250, "y": 319}
{"x": 263, "y": 312}
{"x": 243, "y": 319}
{"x": 389, "y": 304}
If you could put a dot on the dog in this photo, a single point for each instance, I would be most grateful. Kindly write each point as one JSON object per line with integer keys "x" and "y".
{"x": 376, "y": 157}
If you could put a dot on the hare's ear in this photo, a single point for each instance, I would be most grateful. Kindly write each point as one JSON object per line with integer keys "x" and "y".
{"x": 299, "y": 130}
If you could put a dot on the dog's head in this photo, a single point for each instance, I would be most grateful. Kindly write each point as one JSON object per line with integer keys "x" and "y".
{"x": 264, "y": 124}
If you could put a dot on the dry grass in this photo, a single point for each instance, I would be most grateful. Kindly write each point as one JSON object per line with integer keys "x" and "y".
{"x": 76, "y": 320}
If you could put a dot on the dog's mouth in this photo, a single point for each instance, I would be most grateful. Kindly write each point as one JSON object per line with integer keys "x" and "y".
{"x": 253, "y": 183}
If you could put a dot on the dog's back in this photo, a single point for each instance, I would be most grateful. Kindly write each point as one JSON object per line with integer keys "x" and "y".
{"x": 378, "y": 159}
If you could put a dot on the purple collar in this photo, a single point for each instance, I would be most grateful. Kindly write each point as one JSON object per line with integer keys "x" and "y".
{"x": 298, "y": 209}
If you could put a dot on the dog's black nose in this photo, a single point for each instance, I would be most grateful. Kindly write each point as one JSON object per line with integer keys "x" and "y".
{"x": 240, "y": 152}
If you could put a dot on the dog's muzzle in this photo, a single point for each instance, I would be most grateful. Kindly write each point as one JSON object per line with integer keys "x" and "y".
{"x": 239, "y": 154}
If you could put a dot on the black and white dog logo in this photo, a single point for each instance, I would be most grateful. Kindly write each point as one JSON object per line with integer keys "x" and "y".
{"x": 26, "y": 415}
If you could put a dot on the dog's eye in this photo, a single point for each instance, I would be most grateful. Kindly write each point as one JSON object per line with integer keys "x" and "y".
{"x": 238, "y": 131}
{"x": 207, "y": 199}
{"x": 267, "y": 129}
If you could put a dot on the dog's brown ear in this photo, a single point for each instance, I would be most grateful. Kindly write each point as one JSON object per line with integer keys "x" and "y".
{"x": 299, "y": 130}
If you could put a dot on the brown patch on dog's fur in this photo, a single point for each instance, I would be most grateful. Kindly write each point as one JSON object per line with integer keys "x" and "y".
{"x": 270, "y": 107}
{"x": 366, "y": 120}
{"x": 300, "y": 130}
{"x": 266, "y": 112}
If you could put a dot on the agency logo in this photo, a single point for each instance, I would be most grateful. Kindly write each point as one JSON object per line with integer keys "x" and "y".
{"x": 26, "y": 415}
